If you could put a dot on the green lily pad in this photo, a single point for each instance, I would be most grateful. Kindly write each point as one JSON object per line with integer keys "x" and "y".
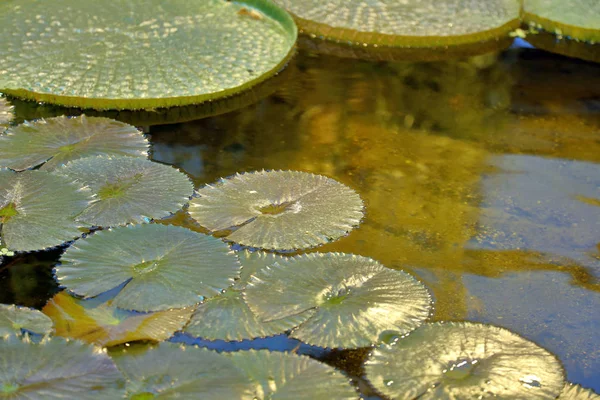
{"x": 286, "y": 376}
{"x": 56, "y": 141}
{"x": 57, "y": 369}
{"x": 576, "y": 392}
{"x": 280, "y": 210}
{"x": 139, "y": 54}
{"x": 464, "y": 360}
{"x": 6, "y": 113}
{"x": 38, "y": 209}
{"x": 172, "y": 371}
{"x": 420, "y": 23}
{"x": 579, "y": 19}
{"x": 15, "y": 319}
{"x": 358, "y": 301}
{"x": 166, "y": 266}
{"x": 128, "y": 189}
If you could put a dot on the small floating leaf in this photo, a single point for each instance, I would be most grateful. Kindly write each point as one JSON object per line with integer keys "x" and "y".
{"x": 57, "y": 369}
{"x": 105, "y": 325}
{"x": 172, "y": 371}
{"x": 356, "y": 298}
{"x": 38, "y": 209}
{"x": 285, "y": 376}
{"x": 279, "y": 210}
{"x": 464, "y": 360}
{"x": 166, "y": 266}
{"x": 576, "y": 392}
{"x": 128, "y": 189}
{"x": 579, "y": 19}
{"x": 6, "y": 113}
{"x": 15, "y": 319}
{"x": 55, "y": 141}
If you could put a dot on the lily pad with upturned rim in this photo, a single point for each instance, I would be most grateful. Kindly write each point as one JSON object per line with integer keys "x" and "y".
{"x": 287, "y": 376}
{"x": 56, "y": 141}
{"x": 464, "y": 360}
{"x": 38, "y": 209}
{"x": 139, "y": 54}
{"x": 576, "y": 392}
{"x": 6, "y": 113}
{"x": 128, "y": 189}
{"x": 15, "y": 319}
{"x": 578, "y": 19}
{"x": 357, "y": 301}
{"x": 56, "y": 368}
{"x": 280, "y": 210}
{"x": 165, "y": 266}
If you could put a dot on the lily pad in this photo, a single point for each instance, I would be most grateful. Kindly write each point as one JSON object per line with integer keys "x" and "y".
{"x": 172, "y": 371}
{"x": 421, "y": 23}
{"x": 38, "y": 209}
{"x": 576, "y": 392}
{"x": 286, "y": 376}
{"x": 6, "y": 113}
{"x": 55, "y": 141}
{"x": 358, "y": 301}
{"x": 579, "y": 19}
{"x": 57, "y": 369}
{"x": 165, "y": 266}
{"x": 140, "y": 54}
{"x": 279, "y": 210}
{"x": 464, "y": 360}
{"x": 15, "y": 319}
{"x": 128, "y": 189}
{"x": 106, "y": 325}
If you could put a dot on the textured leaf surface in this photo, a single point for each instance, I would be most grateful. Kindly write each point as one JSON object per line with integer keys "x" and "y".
{"x": 172, "y": 371}
{"x": 57, "y": 369}
{"x": 56, "y": 141}
{"x": 38, "y": 209}
{"x": 280, "y": 210}
{"x": 6, "y": 113}
{"x": 576, "y": 392}
{"x": 285, "y": 376}
{"x": 15, "y": 319}
{"x": 105, "y": 325}
{"x": 579, "y": 19}
{"x": 139, "y": 53}
{"x": 464, "y": 360}
{"x": 404, "y": 23}
{"x": 356, "y": 299}
{"x": 128, "y": 189}
{"x": 168, "y": 266}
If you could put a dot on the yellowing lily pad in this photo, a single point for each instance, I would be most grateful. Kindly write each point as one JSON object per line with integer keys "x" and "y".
{"x": 55, "y": 141}
{"x": 139, "y": 54}
{"x": 15, "y": 319}
{"x": 103, "y": 324}
{"x": 279, "y": 210}
{"x": 576, "y": 392}
{"x": 6, "y": 113}
{"x": 579, "y": 19}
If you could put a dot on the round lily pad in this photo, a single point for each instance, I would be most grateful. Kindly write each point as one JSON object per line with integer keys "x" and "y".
{"x": 421, "y": 23}
{"x": 165, "y": 266}
{"x": 57, "y": 369}
{"x": 139, "y": 54}
{"x": 280, "y": 210}
{"x": 576, "y": 392}
{"x": 172, "y": 371}
{"x": 579, "y": 19}
{"x": 38, "y": 209}
{"x": 15, "y": 319}
{"x": 357, "y": 301}
{"x": 55, "y": 141}
{"x": 464, "y": 360}
{"x": 287, "y": 376}
{"x": 103, "y": 324}
{"x": 128, "y": 189}
{"x": 6, "y": 113}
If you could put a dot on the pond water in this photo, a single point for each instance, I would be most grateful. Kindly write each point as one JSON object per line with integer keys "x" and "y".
{"x": 480, "y": 176}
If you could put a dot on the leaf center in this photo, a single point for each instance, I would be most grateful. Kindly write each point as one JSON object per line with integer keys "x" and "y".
{"x": 8, "y": 388}
{"x": 276, "y": 209}
{"x": 143, "y": 396}
{"x": 145, "y": 267}
{"x": 119, "y": 188}
{"x": 336, "y": 297}
{"x": 460, "y": 370}
{"x": 7, "y": 212}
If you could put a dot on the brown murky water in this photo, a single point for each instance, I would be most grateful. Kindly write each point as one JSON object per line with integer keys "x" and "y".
{"x": 480, "y": 176}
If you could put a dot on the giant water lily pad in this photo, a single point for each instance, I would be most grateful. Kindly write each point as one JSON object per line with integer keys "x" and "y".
{"x": 172, "y": 371}
{"x": 103, "y": 324}
{"x": 579, "y": 19}
{"x": 285, "y": 376}
{"x": 139, "y": 54}
{"x": 38, "y": 209}
{"x": 423, "y": 23}
{"x": 128, "y": 189}
{"x": 280, "y": 210}
{"x": 55, "y": 141}
{"x": 6, "y": 113}
{"x": 576, "y": 392}
{"x": 56, "y": 369}
{"x": 464, "y": 360}
{"x": 166, "y": 266}
{"x": 15, "y": 319}
{"x": 358, "y": 301}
